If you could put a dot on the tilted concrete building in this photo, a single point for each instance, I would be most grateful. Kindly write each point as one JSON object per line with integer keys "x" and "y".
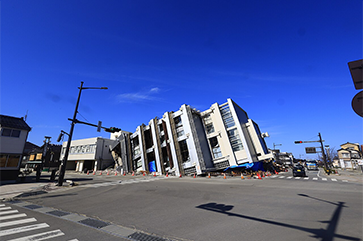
{"x": 189, "y": 141}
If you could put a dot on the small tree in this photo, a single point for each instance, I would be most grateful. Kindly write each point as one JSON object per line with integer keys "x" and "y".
{"x": 331, "y": 153}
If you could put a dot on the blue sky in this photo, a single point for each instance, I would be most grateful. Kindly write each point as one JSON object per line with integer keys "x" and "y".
{"x": 283, "y": 62}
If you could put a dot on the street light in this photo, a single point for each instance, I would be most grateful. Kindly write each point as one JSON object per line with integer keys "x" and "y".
{"x": 65, "y": 158}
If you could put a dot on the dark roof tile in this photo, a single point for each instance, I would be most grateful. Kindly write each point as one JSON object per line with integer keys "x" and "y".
{"x": 13, "y": 122}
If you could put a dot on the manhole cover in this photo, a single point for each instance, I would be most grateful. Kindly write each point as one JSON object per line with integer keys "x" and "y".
{"x": 33, "y": 206}
{"x": 58, "y": 213}
{"x": 94, "y": 223}
{"x": 145, "y": 237}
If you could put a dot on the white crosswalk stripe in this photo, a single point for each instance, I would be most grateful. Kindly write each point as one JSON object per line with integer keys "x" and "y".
{"x": 41, "y": 236}
{"x": 324, "y": 179}
{"x": 315, "y": 178}
{"x": 334, "y": 180}
{"x": 289, "y": 177}
{"x": 282, "y": 177}
{"x": 125, "y": 182}
{"x": 30, "y": 232}
{"x": 306, "y": 178}
{"x": 297, "y": 178}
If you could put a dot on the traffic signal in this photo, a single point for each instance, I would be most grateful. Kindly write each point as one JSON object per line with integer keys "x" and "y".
{"x": 112, "y": 129}
{"x": 298, "y": 142}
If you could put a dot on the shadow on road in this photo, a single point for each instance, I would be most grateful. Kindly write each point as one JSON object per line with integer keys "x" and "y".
{"x": 327, "y": 234}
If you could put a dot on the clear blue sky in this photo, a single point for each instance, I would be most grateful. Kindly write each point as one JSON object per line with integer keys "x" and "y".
{"x": 283, "y": 62}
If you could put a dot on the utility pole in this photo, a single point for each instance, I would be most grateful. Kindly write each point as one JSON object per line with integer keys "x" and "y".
{"x": 65, "y": 159}
{"x": 323, "y": 152}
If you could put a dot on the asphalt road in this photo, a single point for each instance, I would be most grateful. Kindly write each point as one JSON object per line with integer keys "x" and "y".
{"x": 280, "y": 208}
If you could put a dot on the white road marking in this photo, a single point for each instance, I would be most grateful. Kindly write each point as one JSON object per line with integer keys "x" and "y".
{"x": 41, "y": 236}
{"x": 8, "y": 212}
{"x": 27, "y": 220}
{"x": 2, "y": 205}
{"x": 297, "y": 178}
{"x": 324, "y": 179}
{"x": 282, "y": 177}
{"x": 315, "y": 178}
{"x": 306, "y": 178}
{"x": 334, "y": 180}
{"x": 273, "y": 176}
{"x": 5, "y": 208}
{"x": 13, "y": 216}
{"x": 23, "y": 229}
{"x": 344, "y": 180}
{"x": 289, "y": 177}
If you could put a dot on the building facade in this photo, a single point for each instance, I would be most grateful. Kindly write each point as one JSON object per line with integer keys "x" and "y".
{"x": 13, "y": 135}
{"x": 89, "y": 154}
{"x": 349, "y": 154}
{"x": 189, "y": 141}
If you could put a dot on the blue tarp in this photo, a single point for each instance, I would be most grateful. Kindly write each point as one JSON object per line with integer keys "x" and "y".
{"x": 246, "y": 165}
{"x": 255, "y": 166}
{"x": 152, "y": 166}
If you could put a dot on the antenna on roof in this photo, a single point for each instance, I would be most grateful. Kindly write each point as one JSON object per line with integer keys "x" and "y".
{"x": 26, "y": 115}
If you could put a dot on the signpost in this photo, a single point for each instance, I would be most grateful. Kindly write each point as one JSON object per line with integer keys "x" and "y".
{"x": 310, "y": 150}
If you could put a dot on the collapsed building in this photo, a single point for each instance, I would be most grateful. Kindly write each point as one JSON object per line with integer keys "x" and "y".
{"x": 189, "y": 141}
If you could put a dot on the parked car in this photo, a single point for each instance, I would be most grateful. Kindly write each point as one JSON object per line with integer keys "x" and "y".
{"x": 298, "y": 170}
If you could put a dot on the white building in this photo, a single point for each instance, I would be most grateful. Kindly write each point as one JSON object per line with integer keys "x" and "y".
{"x": 188, "y": 141}
{"x": 89, "y": 154}
{"x": 14, "y": 133}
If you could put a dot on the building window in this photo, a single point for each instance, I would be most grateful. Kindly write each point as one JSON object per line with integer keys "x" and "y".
{"x": 227, "y": 116}
{"x": 208, "y": 124}
{"x": 216, "y": 150}
{"x": 178, "y": 121}
{"x": 235, "y": 140}
{"x": 184, "y": 150}
{"x": 345, "y": 155}
{"x": 10, "y": 132}
{"x": 9, "y": 160}
{"x": 180, "y": 131}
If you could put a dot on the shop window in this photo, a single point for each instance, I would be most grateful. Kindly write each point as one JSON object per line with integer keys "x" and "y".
{"x": 13, "y": 161}
{"x": 3, "y": 160}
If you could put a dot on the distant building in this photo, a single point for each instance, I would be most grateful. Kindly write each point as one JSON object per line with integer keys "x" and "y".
{"x": 89, "y": 154}
{"x": 13, "y": 135}
{"x": 189, "y": 141}
{"x": 349, "y": 154}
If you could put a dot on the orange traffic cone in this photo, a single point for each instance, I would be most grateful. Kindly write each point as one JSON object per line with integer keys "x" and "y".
{"x": 154, "y": 174}
{"x": 124, "y": 173}
{"x": 94, "y": 173}
{"x": 208, "y": 175}
{"x": 143, "y": 174}
{"x": 115, "y": 173}
{"x": 194, "y": 176}
{"x": 263, "y": 174}
{"x": 100, "y": 173}
{"x": 87, "y": 172}
{"x": 167, "y": 174}
{"x": 180, "y": 176}
{"x": 108, "y": 173}
{"x": 276, "y": 172}
{"x": 242, "y": 177}
{"x": 224, "y": 176}
{"x": 133, "y": 174}
{"x": 258, "y": 175}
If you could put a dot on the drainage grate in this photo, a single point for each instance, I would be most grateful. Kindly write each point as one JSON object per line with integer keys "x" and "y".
{"x": 145, "y": 237}
{"x": 94, "y": 223}
{"x": 58, "y": 213}
{"x": 33, "y": 206}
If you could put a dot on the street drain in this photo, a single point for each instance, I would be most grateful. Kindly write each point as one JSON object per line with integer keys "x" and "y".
{"x": 94, "y": 223}
{"x": 32, "y": 206}
{"x": 58, "y": 213}
{"x": 145, "y": 237}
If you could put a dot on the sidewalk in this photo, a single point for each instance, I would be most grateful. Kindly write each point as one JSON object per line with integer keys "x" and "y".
{"x": 347, "y": 174}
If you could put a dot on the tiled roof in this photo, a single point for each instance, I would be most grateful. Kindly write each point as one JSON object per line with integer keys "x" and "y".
{"x": 13, "y": 122}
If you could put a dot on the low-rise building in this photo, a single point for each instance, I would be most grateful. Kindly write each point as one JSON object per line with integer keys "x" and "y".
{"x": 349, "y": 154}
{"x": 89, "y": 154}
{"x": 13, "y": 135}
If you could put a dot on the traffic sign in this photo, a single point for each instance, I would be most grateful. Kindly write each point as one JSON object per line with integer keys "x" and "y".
{"x": 310, "y": 150}
{"x": 356, "y": 70}
{"x": 357, "y": 104}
